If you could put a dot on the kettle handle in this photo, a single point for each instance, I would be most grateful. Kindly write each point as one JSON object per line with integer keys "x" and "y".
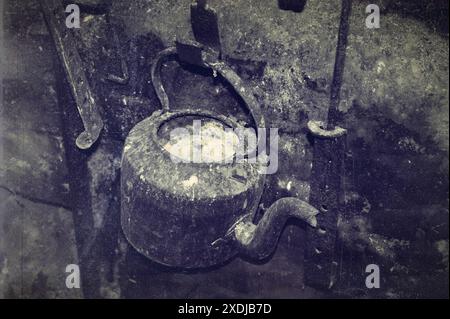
{"x": 217, "y": 66}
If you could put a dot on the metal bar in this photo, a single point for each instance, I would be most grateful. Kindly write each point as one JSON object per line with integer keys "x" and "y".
{"x": 205, "y": 25}
{"x": 323, "y": 245}
{"x": 54, "y": 14}
{"x": 124, "y": 78}
{"x": 321, "y": 251}
{"x": 339, "y": 64}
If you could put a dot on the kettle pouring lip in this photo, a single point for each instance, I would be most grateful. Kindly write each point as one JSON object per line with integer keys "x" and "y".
{"x": 260, "y": 240}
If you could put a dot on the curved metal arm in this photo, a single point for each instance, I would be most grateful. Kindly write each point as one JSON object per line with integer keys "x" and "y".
{"x": 156, "y": 76}
{"x": 259, "y": 241}
{"x": 221, "y": 68}
{"x": 241, "y": 89}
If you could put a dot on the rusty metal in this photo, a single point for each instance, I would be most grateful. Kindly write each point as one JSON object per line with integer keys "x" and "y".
{"x": 317, "y": 129}
{"x": 323, "y": 245}
{"x": 205, "y": 24}
{"x": 54, "y": 14}
{"x": 205, "y": 58}
{"x": 185, "y": 228}
{"x": 338, "y": 72}
{"x": 124, "y": 78}
{"x": 191, "y": 52}
{"x": 156, "y": 77}
{"x": 258, "y": 241}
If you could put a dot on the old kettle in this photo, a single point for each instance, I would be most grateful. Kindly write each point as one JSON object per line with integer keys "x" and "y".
{"x": 196, "y": 215}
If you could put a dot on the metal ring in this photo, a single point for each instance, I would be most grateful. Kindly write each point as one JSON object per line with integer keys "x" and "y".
{"x": 317, "y": 128}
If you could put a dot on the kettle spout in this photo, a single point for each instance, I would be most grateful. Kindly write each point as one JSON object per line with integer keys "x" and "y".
{"x": 259, "y": 241}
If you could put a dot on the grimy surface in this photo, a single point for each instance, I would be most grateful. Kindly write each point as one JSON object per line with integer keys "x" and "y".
{"x": 394, "y": 105}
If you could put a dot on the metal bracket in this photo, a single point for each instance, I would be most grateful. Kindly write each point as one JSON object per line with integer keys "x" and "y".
{"x": 206, "y": 47}
{"x": 54, "y": 14}
{"x": 205, "y": 25}
{"x": 195, "y": 53}
{"x": 124, "y": 78}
